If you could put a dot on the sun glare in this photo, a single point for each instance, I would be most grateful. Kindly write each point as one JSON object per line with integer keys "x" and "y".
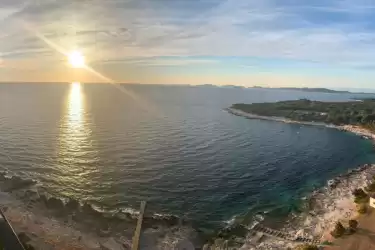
{"x": 76, "y": 59}
{"x": 75, "y": 103}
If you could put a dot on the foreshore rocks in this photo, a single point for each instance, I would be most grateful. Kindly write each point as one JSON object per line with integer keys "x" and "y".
{"x": 334, "y": 182}
{"x": 72, "y": 205}
{"x": 15, "y": 183}
{"x": 38, "y": 215}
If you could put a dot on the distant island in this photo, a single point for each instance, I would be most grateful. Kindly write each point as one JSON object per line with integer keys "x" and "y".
{"x": 233, "y": 87}
{"x": 318, "y": 90}
{"x": 358, "y": 113}
{"x": 321, "y": 90}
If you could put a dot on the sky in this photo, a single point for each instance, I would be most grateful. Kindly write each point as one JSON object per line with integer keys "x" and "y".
{"x": 273, "y": 43}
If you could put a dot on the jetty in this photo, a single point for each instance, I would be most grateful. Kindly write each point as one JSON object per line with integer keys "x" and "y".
{"x": 281, "y": 235}
{"x": 137, "y": 233}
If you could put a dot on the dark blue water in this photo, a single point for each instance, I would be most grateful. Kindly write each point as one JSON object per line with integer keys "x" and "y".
{"x": 172, "y": 146}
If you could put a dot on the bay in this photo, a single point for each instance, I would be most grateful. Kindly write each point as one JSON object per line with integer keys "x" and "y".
{"x": 174, "y": 146}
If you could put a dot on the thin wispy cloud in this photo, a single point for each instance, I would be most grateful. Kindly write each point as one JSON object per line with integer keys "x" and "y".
{"x": 338, "y": 33}
{"x": 161, "y": 61}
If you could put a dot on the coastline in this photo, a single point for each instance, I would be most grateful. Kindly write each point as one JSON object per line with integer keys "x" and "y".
{"x": 360, "y": 131}
{"x": 49, "y": 222}
{"x": 327, "y": 205}
{"x": 275, "y": 118}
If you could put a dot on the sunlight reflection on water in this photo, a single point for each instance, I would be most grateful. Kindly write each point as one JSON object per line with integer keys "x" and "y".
{"x": 77, "y": 155}
{"x": 75, "y": 132}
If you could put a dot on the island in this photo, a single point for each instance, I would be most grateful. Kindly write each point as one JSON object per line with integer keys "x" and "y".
{"x": 321, "y": 90}
{"x": 257, "y": 87}
{"x": 358, "y": 113}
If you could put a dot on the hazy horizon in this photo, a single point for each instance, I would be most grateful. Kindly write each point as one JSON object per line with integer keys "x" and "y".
{"x": 219, "y": 42}
{"x": 354, "y": 90}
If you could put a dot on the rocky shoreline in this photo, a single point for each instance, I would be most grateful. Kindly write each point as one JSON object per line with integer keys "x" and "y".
{"x": 360, "y": 131}
{"x": 47, "y": 222}
{"x": 326, "y": 205}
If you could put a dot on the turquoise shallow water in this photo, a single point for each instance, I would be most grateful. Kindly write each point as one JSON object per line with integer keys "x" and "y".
{"x": 173, "y": 146}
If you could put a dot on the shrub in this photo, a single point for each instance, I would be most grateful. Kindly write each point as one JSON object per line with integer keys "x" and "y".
{"x": 370, "y": 187}
{"x": 361, "y": 200}
{"x": 310, "y": 247}
{"x": 353, "y": 224}
{"x": 362, "y": 209}
{"x": 327, "y": 243}
{"x": 359, "y": 193}
{"x": 307, "y": 247}
{"x": 338, "y": 231}
{"x": 360, "y": 196}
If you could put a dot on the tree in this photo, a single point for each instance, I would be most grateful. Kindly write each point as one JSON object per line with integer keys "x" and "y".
{"x": 307, "y": 247}
{"x": 362, "y": 209}
{"x": 327, "y": 243}
{"x": 368, "y": 118}
{"x": 353, "y": 225}
{"x": 360, "y": 196}
{"x": 359, "y": 193}
{"x": 338, "y": 231}
{"x": 310, "y": 247}
{"x": 371, "y": 187}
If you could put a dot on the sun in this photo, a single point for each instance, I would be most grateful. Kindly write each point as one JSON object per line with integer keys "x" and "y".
{"x": 76, "y": 59}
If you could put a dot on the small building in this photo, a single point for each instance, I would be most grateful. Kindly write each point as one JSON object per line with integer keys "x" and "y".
{"x": 372, "y": 201}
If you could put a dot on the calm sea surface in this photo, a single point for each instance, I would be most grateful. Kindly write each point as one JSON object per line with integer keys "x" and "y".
{"x": 172, "y": 146}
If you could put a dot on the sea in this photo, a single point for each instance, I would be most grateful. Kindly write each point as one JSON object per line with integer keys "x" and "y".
{"x": 114, "y": 145}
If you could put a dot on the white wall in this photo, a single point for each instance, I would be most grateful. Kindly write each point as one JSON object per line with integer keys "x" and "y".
{"x": 372, "y": 202}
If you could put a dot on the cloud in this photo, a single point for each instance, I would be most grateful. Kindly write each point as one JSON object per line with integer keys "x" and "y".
{"x": 160, "y": 61}
{"x": 336, "y": 32}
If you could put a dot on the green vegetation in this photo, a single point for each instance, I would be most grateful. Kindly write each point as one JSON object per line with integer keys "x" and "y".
{"x": 370, "y": 187}
{"x": 362, "y": 208}
{"x": 307, "y": 247}
{"x": 338, "y": 231}
{"x": 353, "y": 226}
{"x": 360, "y": 196}
{"x": 327, "y": 243}
{"x": 354, "y": 112}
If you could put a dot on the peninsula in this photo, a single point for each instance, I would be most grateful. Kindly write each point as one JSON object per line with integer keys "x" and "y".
{"x": 358, "y": 113}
